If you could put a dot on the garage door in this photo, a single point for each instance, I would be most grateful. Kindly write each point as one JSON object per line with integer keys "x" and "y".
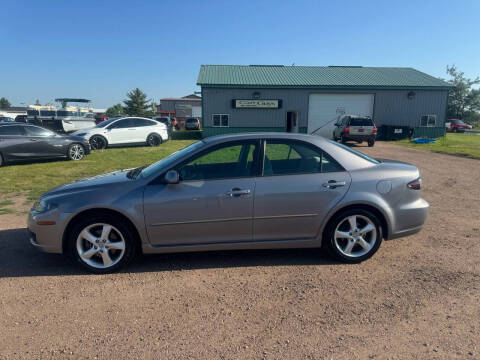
{"x": 324, "y": 109}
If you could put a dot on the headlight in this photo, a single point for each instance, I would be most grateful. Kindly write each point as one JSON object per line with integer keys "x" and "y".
{"x": 81, "y": 134}
{"x": 42, "y": 206}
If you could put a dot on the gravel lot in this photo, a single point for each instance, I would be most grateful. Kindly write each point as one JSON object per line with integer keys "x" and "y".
{"x": 418, "y": 297}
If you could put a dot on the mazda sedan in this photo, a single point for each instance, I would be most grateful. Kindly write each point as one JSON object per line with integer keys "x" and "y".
{"x": 248, "y": 191}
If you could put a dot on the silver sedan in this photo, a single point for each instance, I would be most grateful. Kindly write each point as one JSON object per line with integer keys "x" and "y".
{"x": 247, "y": 191}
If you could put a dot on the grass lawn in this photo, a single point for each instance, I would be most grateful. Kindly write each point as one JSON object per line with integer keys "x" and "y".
{"x": 35, "y": 179}
{"x": 458, "y": 144}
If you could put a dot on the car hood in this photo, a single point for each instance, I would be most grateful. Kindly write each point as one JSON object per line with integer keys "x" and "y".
{"x": 92, "y": 183}
{"x": 86, "y": 130}
{"x": 72, "y": 137}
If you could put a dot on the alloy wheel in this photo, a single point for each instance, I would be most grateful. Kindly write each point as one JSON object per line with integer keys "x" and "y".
{"x": 77, "y": 152}
{"x": 100, "y": 245}
{"x": 355, "y": 236}
{"x": 153, "y": 140}
{"x": 97, "y": 143}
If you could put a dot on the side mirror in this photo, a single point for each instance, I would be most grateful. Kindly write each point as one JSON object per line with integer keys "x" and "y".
{"x": 172, "y": 177}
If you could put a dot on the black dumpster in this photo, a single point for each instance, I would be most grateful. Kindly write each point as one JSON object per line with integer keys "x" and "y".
{"x": 393, "y": 132}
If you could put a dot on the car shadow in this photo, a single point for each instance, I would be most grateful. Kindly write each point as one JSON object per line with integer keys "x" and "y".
{"x": 18, "y": 258}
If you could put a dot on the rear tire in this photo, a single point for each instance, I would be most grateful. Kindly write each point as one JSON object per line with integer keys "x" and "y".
{"x": 343, "y": 140}
{"x": 154, "y": 140}
{"x": 334, "y": 137}
{"x": 102, "y": 243}
{"x": 1, "y": 160}
{"x": 98, "y": 142}
{"x": 353, "y": 241}
{"x": 371, "y": 143}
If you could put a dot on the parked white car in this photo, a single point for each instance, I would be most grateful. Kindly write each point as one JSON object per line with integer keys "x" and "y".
{"x": 125, "y": 130}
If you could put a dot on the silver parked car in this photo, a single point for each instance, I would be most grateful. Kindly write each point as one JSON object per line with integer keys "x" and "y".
{"x": 248, "y": 191}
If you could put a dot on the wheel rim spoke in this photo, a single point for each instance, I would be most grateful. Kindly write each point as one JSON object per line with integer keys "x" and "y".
{"x": 87, "y": 235}
{"x": 348, "y": 249}
{"x": 367, "y": 228}
{"x": 343, "y": 234}
{"x": 107, "y": 260}
{"x": 89, "y": 253}
{"x": 115, "y": 245}
{"x": 353, "y": 222}
{"x": 364, "y": 244}
{"x": 106, "y": 232}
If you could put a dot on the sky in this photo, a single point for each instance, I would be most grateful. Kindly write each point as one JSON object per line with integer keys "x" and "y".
{"x": 100, "y": 50}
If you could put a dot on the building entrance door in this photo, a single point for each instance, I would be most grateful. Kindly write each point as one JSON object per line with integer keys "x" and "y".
{"x": 292, "y": 121}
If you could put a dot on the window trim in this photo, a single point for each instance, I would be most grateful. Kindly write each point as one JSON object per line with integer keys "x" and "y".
{"x": 428, "y": 120}
{"x": 213, "y": 124}
{"x": 264, "y": 146}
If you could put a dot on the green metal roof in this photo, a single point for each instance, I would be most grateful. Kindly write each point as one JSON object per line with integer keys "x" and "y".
{"x": 316, "y": 76}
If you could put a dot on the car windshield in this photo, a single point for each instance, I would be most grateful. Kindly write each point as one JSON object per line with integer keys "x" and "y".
{"x": 358, "y": 153}
{"x": 191, "y": 120}
{"x": 107, "y": 122}
{"x": 165, "y": 162}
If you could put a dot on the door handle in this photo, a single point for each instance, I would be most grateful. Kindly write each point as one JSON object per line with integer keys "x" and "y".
{"x": 131, "y": 129}
{"x": 332, "y": 184}
{"x": 236, "y": 192}
{"x": 33, "y": 139}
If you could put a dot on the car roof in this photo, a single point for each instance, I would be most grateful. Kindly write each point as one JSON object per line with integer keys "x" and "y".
{"x": 264, "y": 135}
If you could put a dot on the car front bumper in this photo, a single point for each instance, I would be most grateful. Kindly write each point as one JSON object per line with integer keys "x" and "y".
{"x": 46, "y": 230}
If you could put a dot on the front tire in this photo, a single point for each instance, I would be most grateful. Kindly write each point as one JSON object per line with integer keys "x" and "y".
{"x": 353, "y": 236}
{"x": 102, "y": 243}
{"x": 1, "y": 160}
{"x": 98, "y": 142}
{"x": 76, "y": 152}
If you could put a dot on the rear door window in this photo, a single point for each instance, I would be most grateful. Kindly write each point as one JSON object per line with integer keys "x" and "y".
{"x": 283, "y": 157}
{"x": 142, "y": 122}
{"x": 37, "y": 131}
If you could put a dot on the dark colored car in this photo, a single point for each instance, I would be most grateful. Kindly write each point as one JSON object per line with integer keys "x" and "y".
{"x": 168, "y": 122}
{"x": 456, "y": 125}
{"x": 192, "y": 124}
{"x": 21, "y": 118}
{"x": 355, "y": 128}
{"x": 100, "y": 118}
{"x": 6, "y": 119}
{"x": 25, "y": 142}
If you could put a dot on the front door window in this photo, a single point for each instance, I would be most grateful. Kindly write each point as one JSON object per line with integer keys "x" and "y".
{"x": 231, "y": 161}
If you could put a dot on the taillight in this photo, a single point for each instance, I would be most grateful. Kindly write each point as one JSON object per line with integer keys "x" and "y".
{"x": 374, "y": 131}
{"x": 415, "y": 184}
{"x": 347, "y": 130}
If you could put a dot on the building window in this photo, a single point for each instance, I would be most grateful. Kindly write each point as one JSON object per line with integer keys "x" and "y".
{"x": 220, "y": 120}
{"x": 428, "y": 120}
